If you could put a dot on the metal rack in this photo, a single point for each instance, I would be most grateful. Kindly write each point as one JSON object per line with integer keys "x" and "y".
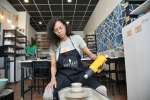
{"x": 43, "y": 45}
{"x": 91, "y": 42}
{"x": 13, "y": 45}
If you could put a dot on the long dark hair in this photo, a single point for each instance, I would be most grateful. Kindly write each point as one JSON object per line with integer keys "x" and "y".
{"x": 53, "y": 38}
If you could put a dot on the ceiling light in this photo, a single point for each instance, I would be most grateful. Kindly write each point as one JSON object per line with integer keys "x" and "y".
{"x": 67, "y": 22}
{"x": 26, "y": 1}
{"x": 40, "y": 22}
{"x": 69, "y": 1}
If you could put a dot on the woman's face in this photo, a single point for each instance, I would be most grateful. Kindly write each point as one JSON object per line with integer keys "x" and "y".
{"x": 60, "y": 29}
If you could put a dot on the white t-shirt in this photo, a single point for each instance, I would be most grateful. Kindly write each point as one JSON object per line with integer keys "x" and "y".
{"x": 67, "y": 45}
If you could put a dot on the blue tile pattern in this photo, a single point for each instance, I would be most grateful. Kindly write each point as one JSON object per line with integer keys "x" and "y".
{"x": 109, "y": 33}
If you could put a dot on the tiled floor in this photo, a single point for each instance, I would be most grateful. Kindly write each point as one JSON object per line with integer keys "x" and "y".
{"x": 115, "y": 92}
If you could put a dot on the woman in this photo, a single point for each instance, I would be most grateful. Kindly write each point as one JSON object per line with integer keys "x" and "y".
{"x": 66, "y": 66}
{"x": 31, "y": 50}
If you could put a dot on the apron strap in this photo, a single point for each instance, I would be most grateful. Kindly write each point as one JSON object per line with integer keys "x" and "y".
{"x": 71, "y": 43}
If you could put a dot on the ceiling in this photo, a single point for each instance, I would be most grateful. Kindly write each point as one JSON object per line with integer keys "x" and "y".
{"x": 77, "y": 12}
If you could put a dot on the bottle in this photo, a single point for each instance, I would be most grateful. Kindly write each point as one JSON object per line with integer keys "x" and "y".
{"x": 96, "y": 66}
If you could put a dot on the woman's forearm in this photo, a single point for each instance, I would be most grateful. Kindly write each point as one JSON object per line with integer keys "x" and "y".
{"x": 53, "y": 65}
{"x": 53, "y": 71}
{"x": 89, "y": 53}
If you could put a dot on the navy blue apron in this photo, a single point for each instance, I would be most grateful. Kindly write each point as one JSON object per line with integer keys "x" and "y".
{"x": 70, "y": 69}
{"x": 69, "y": 63}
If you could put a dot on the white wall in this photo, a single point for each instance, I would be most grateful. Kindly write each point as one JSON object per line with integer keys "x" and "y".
{"x": 31, "y": 32}
{"x": 23, "y": 18}
{"x": 136, "y": 38}
{"x": 101, "y": 12}
{"x": 22, "y": 21}
{"x": 7, "y": 6}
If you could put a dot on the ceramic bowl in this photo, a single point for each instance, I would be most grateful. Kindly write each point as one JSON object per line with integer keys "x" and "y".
{"x": 76, "y": 87}
{"x": 76, "y": 84}
{"x": 3, "y": 83}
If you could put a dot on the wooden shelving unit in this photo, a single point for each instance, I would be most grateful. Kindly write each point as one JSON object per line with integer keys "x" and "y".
{"x": 13, "y": 46}
{"x": 43, "y": 45}
{"x": 91, "y": 42}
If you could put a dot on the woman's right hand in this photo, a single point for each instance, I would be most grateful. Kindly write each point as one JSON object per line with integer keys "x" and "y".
{"x": 52, "y": 84}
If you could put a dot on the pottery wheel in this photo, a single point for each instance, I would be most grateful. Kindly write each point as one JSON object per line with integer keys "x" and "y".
{"x": 76, "y": 95}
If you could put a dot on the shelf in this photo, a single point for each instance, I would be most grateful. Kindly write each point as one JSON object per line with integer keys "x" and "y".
{"x": 19, "y": 34}
{"x": 13, "y": 46}
{"x": 9, "y": 53}
{"x": 92, "y": 46}
{"x": 91, "y": 35}
{"x": 6, "y": 46}
{"x": 11, "y": 38}
{"x": 91, "y": 42}
{"x": 18, "y": 55}
{"x": 42, "y": 41}
{"x": 43, "y": 44}
{"x": 42, "y": 47}
{"x": 21, "y": 42}
{"x": 143, "y": 8}
{"x": 18, "y": 48}
{"x": 11, "y": 61}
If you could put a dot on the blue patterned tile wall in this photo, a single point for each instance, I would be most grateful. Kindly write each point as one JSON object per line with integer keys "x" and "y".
{"x": 109, "y": 33}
